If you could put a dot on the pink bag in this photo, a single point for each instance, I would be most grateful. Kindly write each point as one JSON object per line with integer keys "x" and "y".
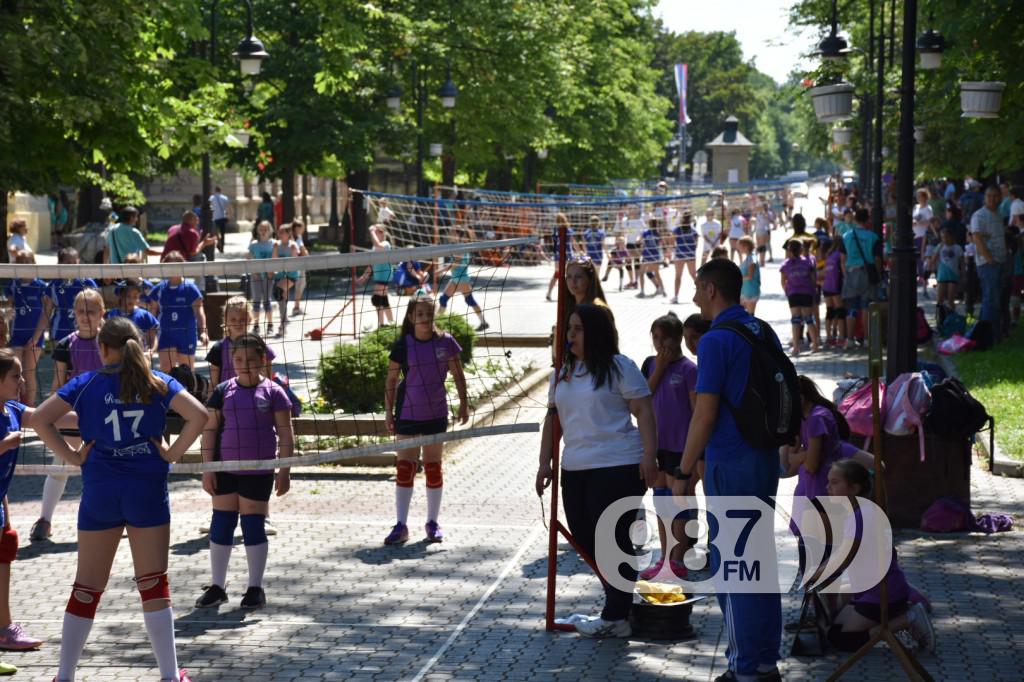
{"x": 856, "y": 407}
{"x": 907, "y": 400}
{"x": 955, "y": 344}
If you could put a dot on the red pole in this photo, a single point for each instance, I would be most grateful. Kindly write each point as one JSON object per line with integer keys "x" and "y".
{"x": 556, "y": 435}
{"x": 352, "y": 249}
{"x": 437, "y": 235}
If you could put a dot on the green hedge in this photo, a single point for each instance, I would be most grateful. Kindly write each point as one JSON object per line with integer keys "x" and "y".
{"x": 352, "y": 375}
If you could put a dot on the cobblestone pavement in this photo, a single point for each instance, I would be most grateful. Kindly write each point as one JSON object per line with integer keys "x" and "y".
{"x": 342, "y": 606}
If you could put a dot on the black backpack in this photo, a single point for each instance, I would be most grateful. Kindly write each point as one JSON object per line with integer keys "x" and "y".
{"x": 954, "y": 412}
{"x": 768, "y": 415}
{"x": 981, "y": 333}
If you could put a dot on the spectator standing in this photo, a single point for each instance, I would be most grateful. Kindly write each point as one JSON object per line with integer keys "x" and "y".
{"x": 17, "y": 241}
{"x": 186, "y": 239}
{"x": 124, "y": 239}
{"x": 862, "y": 249}
{"x": 711, "y": 232}
{"x": 922, "y": 219}
{"x": 265, "y": 211}
{"x": 989, "y": 236}
{"x": 220, "y": 206}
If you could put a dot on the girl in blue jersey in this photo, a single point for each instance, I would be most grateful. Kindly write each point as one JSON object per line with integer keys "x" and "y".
{"x": 381, "y": 273}
{"x": 59, "y": 300}
{"x": 593, "y": 241}
{"x": 26, "y": 296}
{"x": 461, "y": 282}
{"x": 284, "y": 247}
{"x": 181, "y": 317}
{"x": 121, "y": 412}
{"x": 129, "y": 295}
{"x": 75, "y": 354}
{"x": 260, "y": 283}
{"x": 650, "y": 258}
{"x": 685, "y": 255}
{"x": 249, "y": 419}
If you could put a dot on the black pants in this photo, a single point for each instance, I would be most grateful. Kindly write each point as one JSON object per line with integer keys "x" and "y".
{"x": 585, "y": 495}
{"x": 221, "y": 226}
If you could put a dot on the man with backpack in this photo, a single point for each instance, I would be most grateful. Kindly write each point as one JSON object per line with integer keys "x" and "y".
{"x": 747, "y": 405}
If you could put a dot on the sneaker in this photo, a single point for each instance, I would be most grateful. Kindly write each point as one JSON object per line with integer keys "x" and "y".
{"x": 398, "y": 535}
{"x": 268, "y": 527}
{"x": 921, "y": 628}
{"x": 270, "y": 329}
{"x": 213, "y": 596}
{"x": 256, "y": 328}
{"x": 8, "y": 669}
{"x": 652, "y": 570}
{"x": 434, "y": 533}
{"x": 641, "y": 295}
{"x": 254, "y": 598}
{"x": 483, "y": 326}
{"x": 14, "y": 638}
{"x": 674, "y": 301}
{"x": 600, "y": 628}
{"x": 296, "y": 311}
{"x": 41, "y": 530}
{"x": 183, "y": 676}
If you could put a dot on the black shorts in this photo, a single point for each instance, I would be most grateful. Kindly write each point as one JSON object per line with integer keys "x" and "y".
{"x": 801, "y": 301}
{"x": 831, "y": 293}
{"x": 255, "y": 487}
{"x": 668, "y": 460}
{"x": 430, "y": 427}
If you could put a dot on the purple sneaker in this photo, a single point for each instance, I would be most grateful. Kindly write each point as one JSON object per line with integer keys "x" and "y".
{"x": 398, "y": 535}
{"x": 14, "y": 638}
{"x": 434, "y": 532}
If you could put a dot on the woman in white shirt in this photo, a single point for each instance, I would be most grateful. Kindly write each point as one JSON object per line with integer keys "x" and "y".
{"x": 16, "y": 240}
{"x": 922, "y": 219}
{"x": 606, "y": 457}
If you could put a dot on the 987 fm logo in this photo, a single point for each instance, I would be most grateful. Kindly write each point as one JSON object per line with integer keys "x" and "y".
{"x": 749, "y": 544}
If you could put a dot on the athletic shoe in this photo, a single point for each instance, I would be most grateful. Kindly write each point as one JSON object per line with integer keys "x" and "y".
{"x": 398, "y": 535}
{"x": 574, "y": 619}
{"x": 254, "y": 598}
{"x": 14, "y": 638}
{"x": 296, "y": 311}
{"x": 674, "y": 301}
{"x": 183, "y": 676}
{"x": 256, "y": 328}
{"x": 434, "y": 533}
{"x": 641, "y": 295}
{"x": 600, "y": 628}
{"x": 268, "y": 527}
{"x": 652, "y": 570}
{"x": 270, "y": 329}
{"x": 483, "y": 326}
{"x": 213, "y": 596}
{"x": 41, "y": 530}
{"x": 921, "y": 628}
{"x": 8, "y": 669}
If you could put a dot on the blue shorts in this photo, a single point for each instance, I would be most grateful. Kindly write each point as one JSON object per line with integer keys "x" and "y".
{"x": 142, "y": 502}
{"x": 21, "y": 337}
{"x": 179, "y": 340}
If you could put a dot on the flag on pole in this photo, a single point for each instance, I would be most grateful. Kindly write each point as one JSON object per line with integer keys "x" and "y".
{"x": 681, "y": 73}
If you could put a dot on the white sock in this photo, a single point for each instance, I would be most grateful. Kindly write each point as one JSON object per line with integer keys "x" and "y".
{"x": 160, "y": 626}
{"x": 256, "y": 557}
{"x": 433, "y": 503}
{"x": 220, "y": 556}
{"x": 53, "y": 488}
{"x": 403, "y": 496}
{"x": 72, "y": 641}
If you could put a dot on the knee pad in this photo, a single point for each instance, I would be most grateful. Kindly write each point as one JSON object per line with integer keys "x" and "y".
{"x": 663, "y": 492}
{"x": 8, "y": 546}
{"x": 796, "y": 320}
{"x": 470, "y": 300}
{"x": 254, "y": 530}
{"x": 811, "y": 320}
{"x": 433, "y": 473}
{"x": 650, "y": 275}
{"x": 443, "y": 300}
{"x": 84, "y": 601}
{"x": 406, "y": 473}
{"x": 222, "y": 527}
{"x": 153, "y": 586}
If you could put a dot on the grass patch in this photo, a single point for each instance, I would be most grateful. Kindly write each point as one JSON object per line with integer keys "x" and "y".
{"x": 996, "y": 378}
{"x": 153, "y": 236}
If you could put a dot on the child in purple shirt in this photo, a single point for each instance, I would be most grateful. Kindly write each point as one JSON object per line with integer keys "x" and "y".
{"x": 416, "y": 404}
{"x": 832, "y": 290}
{"x": 672, "y": 379}
{"x": 800, "y": 282}
{"x": 250, "y": 419}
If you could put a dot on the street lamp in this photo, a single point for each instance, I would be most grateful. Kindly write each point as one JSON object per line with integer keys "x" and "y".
{"x": 250, "y": 53}
{"x": 394, "y": 97}
{"x": 834, "y": 46}
{"x": 448, "y": 92}
{"x": 930, "y": 45}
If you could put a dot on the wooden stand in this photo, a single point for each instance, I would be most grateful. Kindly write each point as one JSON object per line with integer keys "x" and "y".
{"x": 913, "y": 669}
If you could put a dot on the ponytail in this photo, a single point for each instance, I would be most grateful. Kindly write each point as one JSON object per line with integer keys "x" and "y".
{"x": 138, "y": 384}
{"x": 810, "y": 393}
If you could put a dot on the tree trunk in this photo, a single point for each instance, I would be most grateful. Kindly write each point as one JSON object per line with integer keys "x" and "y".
{"x": 355, "y": 216}
{"x": 3, "y": 225}
{"x": 288, "y": 194}
{"x": 305, "y": 197}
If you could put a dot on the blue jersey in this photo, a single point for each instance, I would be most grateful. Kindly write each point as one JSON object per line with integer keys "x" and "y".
{"x": 27, "y": 300}
{"x": 686, "y": 244}
{"x": 568, "y": 246}
{"x": 177, "y": 317}
{"x": 121, "y": 433}
{"x": 142, "y": 318}
{"x": 651, "y": 244}
{"x": 62, "y": 293}
{"x": 10, "y": 421}
{"x": 594, "y": 241}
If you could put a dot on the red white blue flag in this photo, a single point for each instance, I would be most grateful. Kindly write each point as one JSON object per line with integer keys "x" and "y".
{"x": 681, "y": 73}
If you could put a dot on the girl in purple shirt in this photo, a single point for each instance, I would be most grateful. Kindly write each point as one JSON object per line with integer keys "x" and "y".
{"x": 832, "y": 290}
{"x": 672, "y": 379}
{"x": 238, "y": 315}
{"x": 800, "y": 282}
{"x": 416, "y": 404}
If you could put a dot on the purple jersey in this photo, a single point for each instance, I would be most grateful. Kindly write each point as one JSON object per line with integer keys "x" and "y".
{"x": 421, "y": 395}
{"x": 671, "y": 401}
{"x": 820, "y": 423}
{"x": 801, "y": 276}
{"x": 247, "y": 426}
{"x": 79, "y": 354}
{"x": 896, "y": 581}
{"x": 833, "y": 282}
{"x": 220, "y": 356}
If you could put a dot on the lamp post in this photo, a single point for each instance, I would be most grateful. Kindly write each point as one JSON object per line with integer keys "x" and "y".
{"x": 448, "y": 94}
{"x": 250, "y": 54}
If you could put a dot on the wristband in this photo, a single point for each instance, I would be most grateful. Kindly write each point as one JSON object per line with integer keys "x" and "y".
{"x": 677, "y": 473}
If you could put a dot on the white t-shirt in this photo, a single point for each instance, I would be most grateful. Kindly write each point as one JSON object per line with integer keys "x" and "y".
{"x": 597, "y": 426}
{"x": 762, "y": 223}
{"x": 1016, "y": 209}
{"x": 922, "y": 218}
{"x": 634, "y": 228}
{"x": 18, "y": 242}
{"x": 711, "y": 231}
{"x": 219, "y": 206}
{"x": 736, "y": 227}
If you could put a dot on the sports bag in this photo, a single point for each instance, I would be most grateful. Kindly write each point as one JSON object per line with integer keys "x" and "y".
{"x": 954, "y": 412}
{"x": 768, "y": 415}
{"x": 856, "y": 407}
{"x": 907, "y": 400}
{"x": 981, "y": 334}
{"x": 953, "y": 323}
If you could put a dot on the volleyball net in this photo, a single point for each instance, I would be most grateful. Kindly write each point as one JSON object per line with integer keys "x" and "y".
{"x": 334, "y": 358}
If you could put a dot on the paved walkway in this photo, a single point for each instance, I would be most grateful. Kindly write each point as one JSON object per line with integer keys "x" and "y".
{"x": 342, "y": 606}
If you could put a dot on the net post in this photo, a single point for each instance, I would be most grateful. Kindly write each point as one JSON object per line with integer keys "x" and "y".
{"x": 352, "y": 249}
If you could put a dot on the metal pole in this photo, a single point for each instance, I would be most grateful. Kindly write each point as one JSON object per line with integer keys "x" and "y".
{"x": 206, "y": 213}
{"x": 879, "y": 111}
{"x": 682, "y": 152}
{"x": 420, "y": 105}
{"x": 902, "y": 342}
{"x": 333, "y": 222}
